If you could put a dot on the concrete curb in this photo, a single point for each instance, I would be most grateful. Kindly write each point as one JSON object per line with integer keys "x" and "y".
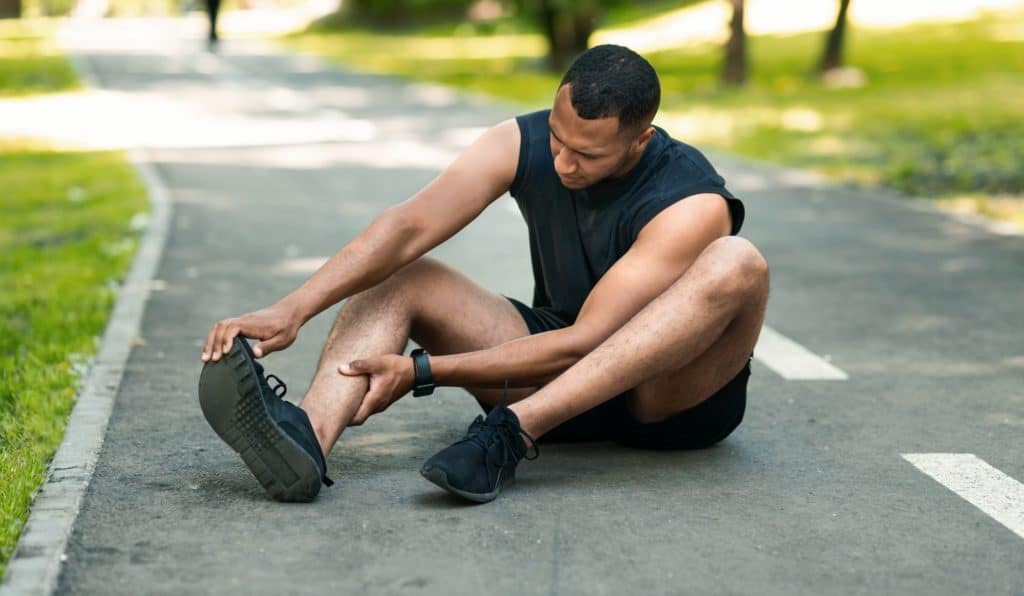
{"x": 36, "y": 564}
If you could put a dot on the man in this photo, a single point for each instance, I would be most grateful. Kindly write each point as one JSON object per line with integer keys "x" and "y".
{"x": 212, "y": 11}
{"x": 645, "y": 311}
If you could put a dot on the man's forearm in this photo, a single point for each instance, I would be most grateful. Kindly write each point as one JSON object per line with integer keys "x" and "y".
{"x": 381, "y": 249}
{"x": 523, "y": 362}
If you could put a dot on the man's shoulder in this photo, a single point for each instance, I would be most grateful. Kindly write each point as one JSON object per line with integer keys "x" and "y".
{"x": 539, "y": 115}
{"x": 534, "y": 124}
{"x": 686, "y": 156}
{"x": 531, "y": 168}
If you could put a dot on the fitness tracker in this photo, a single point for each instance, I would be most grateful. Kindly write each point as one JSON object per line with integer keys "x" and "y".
{"x": 424, "y": 381}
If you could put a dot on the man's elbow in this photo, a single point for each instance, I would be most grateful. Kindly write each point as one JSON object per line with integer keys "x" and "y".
{"x": 404, "y": 231}
{"x": 581, "y": 340}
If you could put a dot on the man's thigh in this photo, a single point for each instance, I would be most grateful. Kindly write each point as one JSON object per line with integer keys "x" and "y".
{"x": 453, "y": 314}
{"x": 676, "y": 391}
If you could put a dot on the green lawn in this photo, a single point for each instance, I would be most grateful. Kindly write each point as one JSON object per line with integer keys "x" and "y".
{"x": 29, "y": 61}
{"x": 65, "y": 239}
{"x": 935, "y": 117}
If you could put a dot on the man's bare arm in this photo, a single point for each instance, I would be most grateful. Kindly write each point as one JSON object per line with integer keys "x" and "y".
{"x": 663, "y": 251}
{"x": 399, "y": 235}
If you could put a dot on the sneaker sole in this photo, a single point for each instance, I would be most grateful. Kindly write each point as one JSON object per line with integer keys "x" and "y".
{"x": 229, "y": 396}
{"x": 438, "y": 477}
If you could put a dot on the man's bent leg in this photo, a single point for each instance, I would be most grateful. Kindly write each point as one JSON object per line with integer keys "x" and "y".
{"x": 676, "y": 352}
{"x": 438, "y": 307}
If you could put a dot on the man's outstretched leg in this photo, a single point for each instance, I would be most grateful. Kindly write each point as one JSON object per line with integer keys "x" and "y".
{"x": 285, "y": 446}
{"x": 675, "y": 353}
{"x": 426, "y": 301}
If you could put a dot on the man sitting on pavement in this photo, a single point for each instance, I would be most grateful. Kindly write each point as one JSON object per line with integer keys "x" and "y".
{"x": 645, "y": 312}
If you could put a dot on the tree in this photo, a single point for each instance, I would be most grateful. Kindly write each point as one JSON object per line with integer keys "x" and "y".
{"x": 832, "y": 57}
{"x": 734, "y": 70}
{"x": 567, "y": 24}
{"x": 10, "y": 9}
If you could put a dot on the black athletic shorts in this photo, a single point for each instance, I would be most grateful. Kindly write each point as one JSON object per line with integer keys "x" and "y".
{"x": 701, "y": 426}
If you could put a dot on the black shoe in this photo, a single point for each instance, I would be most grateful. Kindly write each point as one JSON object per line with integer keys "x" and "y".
{"x": 273, "y": 436}
{"x": 481, "y": 464}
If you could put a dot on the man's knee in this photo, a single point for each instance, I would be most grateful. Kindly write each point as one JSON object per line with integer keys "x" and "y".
{"x": 737, "y": 255}
{"x": 405, "y": 281}
{"x": 733, "y": 264}
{"x": 417, "y": 272}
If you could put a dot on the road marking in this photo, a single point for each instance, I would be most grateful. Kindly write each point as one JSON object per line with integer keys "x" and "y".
{"x": 996, "y": 494}
{"x": 303, "y": 266}
{"x": 793, "y": 361}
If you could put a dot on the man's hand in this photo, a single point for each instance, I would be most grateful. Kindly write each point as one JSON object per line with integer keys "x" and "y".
{"x": 275, "y": 327}
{"x": 391, "y": 377}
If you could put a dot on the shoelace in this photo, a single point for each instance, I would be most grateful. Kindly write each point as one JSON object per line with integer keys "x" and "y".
{"x": 505, "y": 430}
{"x": 279, "y": 388}
{"x": 279, "y": 385}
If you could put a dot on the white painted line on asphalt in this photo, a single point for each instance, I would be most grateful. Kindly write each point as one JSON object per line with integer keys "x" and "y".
{"x": 304, "y": 266}
{"x": 35, "y": 566}
{"x": 998, "y": 495}
{"x": 793, "y": 361}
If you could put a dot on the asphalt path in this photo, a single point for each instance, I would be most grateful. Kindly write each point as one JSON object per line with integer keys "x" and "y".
{"x": 275, "y": 161}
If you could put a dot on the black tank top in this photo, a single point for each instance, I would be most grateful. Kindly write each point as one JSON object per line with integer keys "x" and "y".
{"x": 577, "y": 235}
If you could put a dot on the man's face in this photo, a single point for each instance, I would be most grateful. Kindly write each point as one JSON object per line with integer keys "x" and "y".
{"x": 588, "y": 151}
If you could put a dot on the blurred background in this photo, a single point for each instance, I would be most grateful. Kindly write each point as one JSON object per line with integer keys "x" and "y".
{"x": 918, "y": 97}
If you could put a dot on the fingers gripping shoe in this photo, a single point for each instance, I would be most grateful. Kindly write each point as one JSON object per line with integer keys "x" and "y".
{"x": 273, "y": 436}
{"x": 479, "y": 465}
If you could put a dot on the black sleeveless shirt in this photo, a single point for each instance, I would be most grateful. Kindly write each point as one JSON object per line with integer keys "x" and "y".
{"x": 577, "y": 235}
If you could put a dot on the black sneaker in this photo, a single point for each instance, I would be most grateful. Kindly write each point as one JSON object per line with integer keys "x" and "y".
{"x": 478, "y": 466}
{"x": 273, "y": 436}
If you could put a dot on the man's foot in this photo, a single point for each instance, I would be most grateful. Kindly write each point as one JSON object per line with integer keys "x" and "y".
{"x": 478, "y": 466}
{"x": 273, "y": 436}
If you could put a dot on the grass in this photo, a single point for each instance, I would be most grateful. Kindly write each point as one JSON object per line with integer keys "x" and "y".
{"x": 29, "y": 60}
{"x": 934, "y": 116}
{"x": 65, "y": 239}
{"x": 630, "y": 12}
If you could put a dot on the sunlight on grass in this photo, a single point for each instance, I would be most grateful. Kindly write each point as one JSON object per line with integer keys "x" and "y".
{"x": 469, "y": 63}
{"x": 929, "y": 121}
{"x": 929, "y": 114}
{"x": 695, "y": 23}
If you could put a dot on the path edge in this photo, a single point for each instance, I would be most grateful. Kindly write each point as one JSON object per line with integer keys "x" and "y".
{"x": 36, "y": 563}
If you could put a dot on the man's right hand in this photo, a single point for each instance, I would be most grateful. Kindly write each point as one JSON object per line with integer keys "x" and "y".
{"x": 275, "y": 326}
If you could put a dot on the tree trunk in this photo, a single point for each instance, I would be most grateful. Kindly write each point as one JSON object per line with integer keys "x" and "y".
{"x": 568, "y": 27}
{"x": 734, "y": 72}
{"x": 583, "y": 26}
{"x": 549, "y": 23}
{"x": 832, "y": 57}
{"x": 10, "y": 9}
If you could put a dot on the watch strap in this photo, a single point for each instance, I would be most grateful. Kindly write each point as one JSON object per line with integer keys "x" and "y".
{"x": 423, "y": 383}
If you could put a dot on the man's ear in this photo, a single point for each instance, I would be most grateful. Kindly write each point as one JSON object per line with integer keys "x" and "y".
{"x": 644, "y": 137}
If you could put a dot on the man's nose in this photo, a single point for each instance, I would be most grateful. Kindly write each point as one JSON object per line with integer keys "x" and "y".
{"x": 564, "y": 164}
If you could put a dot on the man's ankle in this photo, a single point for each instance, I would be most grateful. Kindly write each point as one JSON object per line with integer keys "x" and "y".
{"x": 320, "y": 431}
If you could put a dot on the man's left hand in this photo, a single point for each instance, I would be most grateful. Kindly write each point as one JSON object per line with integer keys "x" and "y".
{"x": 391, "y": 377}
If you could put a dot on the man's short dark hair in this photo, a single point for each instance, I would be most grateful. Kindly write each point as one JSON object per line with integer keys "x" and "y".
{"x": 610, "y": 80}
